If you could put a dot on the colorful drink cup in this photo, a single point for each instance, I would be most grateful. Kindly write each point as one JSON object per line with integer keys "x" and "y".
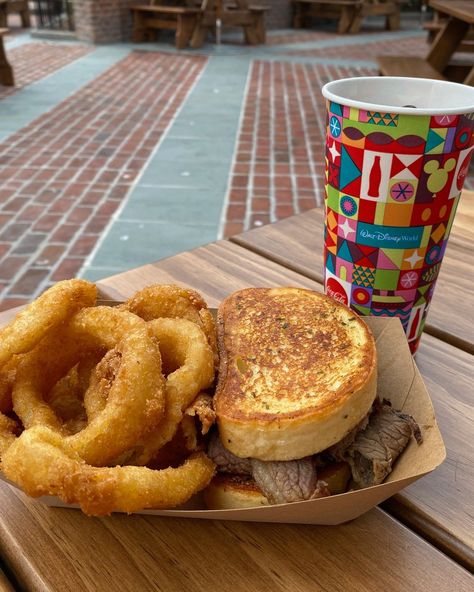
{"x": 397, "y": 154}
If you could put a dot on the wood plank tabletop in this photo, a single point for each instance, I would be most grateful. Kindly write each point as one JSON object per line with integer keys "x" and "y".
{"x": 55, "y": 549}
{"x": 462, "y": 231}
{"x": 460, "y": 9}
{"x": 439, "y": 506}
{"x": 58, "y": 550}
{"x": 297, "y": 243}
{"x": 233, "y": 267}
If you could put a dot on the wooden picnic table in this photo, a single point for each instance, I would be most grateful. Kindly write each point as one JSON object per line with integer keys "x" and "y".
{"x": 351, "y": 13}
{"x": 219, "y": 14}
{"x": 421, "y": 540}
{"x": 447, "y": 42}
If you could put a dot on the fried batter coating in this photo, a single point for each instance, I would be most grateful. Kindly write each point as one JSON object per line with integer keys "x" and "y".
{"x": 135, "y": 402}
{"x": 7, "y": 378}
{"x": 169, "y": 301}
{"x": 41, "y": 462}
{"x": 66, "y": 400}
{"x": 45, "y": 314}
{"x": 188, "y": 357}
{"x": 8, "y": 433}
{"x": 101, "y": 381}
{"x": 38, "y": 320}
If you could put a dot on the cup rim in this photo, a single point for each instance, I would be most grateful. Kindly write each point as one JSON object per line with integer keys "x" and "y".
{"x": 328, "y": 93}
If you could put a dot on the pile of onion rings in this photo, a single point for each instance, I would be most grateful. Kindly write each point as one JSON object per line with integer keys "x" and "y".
{"x": 105, "y": 407}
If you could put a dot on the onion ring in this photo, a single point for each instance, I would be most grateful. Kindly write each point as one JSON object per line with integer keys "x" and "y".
{"x": 92, "y": 331}
{"x": 50, "y": 310}
{"x": 170, "y": 301}
{"x": 36, "y": 321}
{"x": 103, "y": 325}
{"x": 67, "y": 396}
{"x": 7, "y": 378}
{"x": 8, "y": 433}
{"x": 182, "y": 344}
{"x": 101, "y": 381}
{"x": 41, "y": 462}
{"x": 66, "y": 400}
{"x": 135, "y": 404}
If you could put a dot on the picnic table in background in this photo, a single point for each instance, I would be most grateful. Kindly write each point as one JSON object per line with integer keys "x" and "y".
{"x": 351, "y": 13}
{"x": 15, "y": 6}
{"x": 450, "y": 39}
{"x": 177, "y": 15}
{"x": 217, "y": 14}
{"x": 422, "y": 539}
{"x": 193, "y": 19}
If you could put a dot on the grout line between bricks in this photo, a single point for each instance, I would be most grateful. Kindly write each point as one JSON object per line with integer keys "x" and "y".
{"x": 249, "y": 187}
{"x": 225, "y": 205}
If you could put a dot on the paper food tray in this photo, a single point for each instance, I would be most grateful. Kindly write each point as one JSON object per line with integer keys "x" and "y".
{"x": 400, "y": 382}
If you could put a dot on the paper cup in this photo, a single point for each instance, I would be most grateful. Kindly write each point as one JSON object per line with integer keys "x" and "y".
{"x": 397, "y": 154}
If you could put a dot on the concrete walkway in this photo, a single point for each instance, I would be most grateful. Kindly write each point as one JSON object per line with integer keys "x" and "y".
{"x": 177, "y": 201}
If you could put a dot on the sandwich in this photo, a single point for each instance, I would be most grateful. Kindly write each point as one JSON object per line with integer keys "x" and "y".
{"x": 296, "y": 401}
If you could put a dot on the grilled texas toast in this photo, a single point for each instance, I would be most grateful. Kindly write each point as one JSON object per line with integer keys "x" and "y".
{"x": 297, "y": 372}
{"x": 227, "y": 492}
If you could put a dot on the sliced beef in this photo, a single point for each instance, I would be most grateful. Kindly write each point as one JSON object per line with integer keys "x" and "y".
{"x": 226, "y": 461}
{"x": 337, "y": 452}
{"x": 288, "y": 481}
{"x": 376, "y": 448}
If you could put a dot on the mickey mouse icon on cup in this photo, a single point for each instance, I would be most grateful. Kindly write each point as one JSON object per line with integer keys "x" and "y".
{"x": 438, "y": 175}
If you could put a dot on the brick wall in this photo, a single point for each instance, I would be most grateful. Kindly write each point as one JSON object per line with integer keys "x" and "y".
{"x": 279, "y": 17}
{"x": 108, "y": 21}
{"x": 103, "y": 21}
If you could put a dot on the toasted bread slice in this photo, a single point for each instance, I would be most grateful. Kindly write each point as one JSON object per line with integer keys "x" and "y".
{"x": 297, "y": 372}
{"x": 228, "y": 492}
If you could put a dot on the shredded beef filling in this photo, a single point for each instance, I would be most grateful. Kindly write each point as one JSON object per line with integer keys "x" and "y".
{"x": 370, "y": 448}
{"x": 377, "y": 447}
{"x": 288, "y": 481}
{"x": 226, "y": 461}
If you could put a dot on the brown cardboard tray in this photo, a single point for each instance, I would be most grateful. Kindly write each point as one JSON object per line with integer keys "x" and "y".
{"x": 400, "y": 382}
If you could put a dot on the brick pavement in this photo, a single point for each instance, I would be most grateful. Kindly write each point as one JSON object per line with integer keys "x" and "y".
{"x": 63, "y": 176}
{"x": 409, "y": 46}
{"x": 33, "y": 61}
{"x": 278, "y": 168}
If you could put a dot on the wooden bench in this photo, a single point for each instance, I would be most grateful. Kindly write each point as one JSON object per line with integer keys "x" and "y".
{"x": 390, "y": 9}
{"x": 237, "y": 13}
{"x": 147, "y": 19}
{"x": 304, "y": 11}
{"x": 440, "y": 63}
{"x": 407, "y": 66}
{"x": 6, "y": 71}
{"x": 15, "y": 6}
